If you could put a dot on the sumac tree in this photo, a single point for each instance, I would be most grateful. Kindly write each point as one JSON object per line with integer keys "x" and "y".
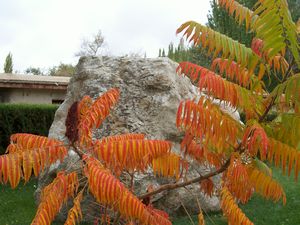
{"x": 213, "y": 138}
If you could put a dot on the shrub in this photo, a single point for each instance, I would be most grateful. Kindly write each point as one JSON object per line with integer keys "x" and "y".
{"x": 16, "y": 118}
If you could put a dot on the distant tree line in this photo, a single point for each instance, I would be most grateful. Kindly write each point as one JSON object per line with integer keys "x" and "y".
{"x": 61, "y": 70}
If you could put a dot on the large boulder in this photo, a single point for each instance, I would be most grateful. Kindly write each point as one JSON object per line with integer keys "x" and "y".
{"x": 150, "y": 94}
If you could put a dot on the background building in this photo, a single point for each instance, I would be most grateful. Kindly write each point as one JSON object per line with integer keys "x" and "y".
{"x": 33, "y": 89}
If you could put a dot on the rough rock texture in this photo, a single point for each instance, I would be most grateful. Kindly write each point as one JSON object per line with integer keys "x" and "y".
{"x": 150, "y": 94}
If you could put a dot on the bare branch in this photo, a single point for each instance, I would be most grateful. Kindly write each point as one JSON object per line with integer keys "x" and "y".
{"x": 186, "y": 183}
{"x": 91, "y": 47}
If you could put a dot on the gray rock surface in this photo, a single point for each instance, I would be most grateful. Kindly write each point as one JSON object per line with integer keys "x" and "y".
{"x": 150, "y": 94}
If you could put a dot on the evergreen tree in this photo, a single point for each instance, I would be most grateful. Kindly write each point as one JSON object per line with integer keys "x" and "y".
{"x": 294, "y": 7}
{"x": 171, "y": 50}
{"x": 163, "y": 53}
{"x": 219, "y": 20}
{"x": 8, "y": 64}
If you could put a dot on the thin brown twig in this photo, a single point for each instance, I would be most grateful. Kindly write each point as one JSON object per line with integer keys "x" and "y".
{"x": 186, "y": 183}
{"x": 190, "y": 218}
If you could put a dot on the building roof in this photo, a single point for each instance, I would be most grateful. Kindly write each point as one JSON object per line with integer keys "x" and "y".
{"x": 33, "y": 81}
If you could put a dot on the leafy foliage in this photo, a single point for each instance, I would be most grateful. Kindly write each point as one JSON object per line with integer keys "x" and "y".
{"x": 75, "y": 214}
{"x": 95, "y": 115}
{"x": 33, "y": 71}
{"x": 230, "y": 146}
{"x": 231, "y": 209}
{"x": 29, "y": 152}
{"x": 63, "y": 70}
{"x": 279, "y": 32}
{"x": 53, "y": 196}
{"x": 130, "y": 154}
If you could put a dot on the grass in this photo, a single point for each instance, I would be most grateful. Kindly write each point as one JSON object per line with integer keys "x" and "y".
{"x": 264, "y": 212}
{"x": 17, "y": 206}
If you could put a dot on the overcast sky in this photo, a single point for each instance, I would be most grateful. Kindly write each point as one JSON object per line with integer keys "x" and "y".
{"x": 43, "y": 33}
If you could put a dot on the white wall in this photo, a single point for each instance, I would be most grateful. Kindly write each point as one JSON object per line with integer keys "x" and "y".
{"x": 33, "y": 96}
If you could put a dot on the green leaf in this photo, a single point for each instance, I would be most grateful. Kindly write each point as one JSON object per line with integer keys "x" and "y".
{"x": 261, "y": 166}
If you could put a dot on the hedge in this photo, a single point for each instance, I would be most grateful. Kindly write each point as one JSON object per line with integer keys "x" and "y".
{"x": 25, "y": 118}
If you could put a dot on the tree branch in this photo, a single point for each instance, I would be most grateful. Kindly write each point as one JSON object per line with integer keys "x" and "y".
{"x": 78, "y": 152}
{"x": 267, "y": 109}
{"x": 186, "y": 183}
{"x": 289, "y": 70}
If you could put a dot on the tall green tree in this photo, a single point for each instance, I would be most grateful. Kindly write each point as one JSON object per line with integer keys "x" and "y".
{"x": 8, "y": 64}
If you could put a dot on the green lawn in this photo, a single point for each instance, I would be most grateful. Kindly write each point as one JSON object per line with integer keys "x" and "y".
{"x": 264, "y": 212}
{"x": 17, "y": 206}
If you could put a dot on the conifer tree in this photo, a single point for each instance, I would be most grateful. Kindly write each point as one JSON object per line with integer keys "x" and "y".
{"x": 8, "y": 64}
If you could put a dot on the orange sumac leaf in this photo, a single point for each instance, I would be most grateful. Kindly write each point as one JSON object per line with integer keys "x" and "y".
{"x": 97, "y": 112}
{"x": 200, "y": 152}
{"x": 256, "y": 46}
{"x": 14, "y": 170}
{"x": 159, "y": 217}
{"x": 109, "y": 190}
{"x": 122, "y": 137}
{"x": 207, "y": 186}
{"x": 278, "y": 62}
{"x": 201, "y": 218}
{"x": 231, "y": 210}
{"x": 219, "y": 44}
{"x": 232, "y": 71}
{"x": 130, "y": 154}
{"x": 52, "y": 198}
{"x": 25, "y": 142}
{"x": 265, "y": 185}
{"x": 75, "y": 214}
{"x": 206, "y": 120}
{"x": 193, "y": 71}
{"x": 254, "y": 139}
{"x": 27, "y": 153}
{"x": 284, "y": 155}
{"x": 168, "y": 165}
{"x": 84, "y": 105}
{"x": 214, "y": 85}
{"x": 240, "y": 12}
{"x": 237, "y": 180}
